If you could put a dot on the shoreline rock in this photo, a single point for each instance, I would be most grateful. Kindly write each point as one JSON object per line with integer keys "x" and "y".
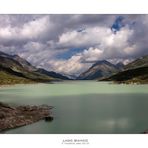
{"x": 13, "y": 117}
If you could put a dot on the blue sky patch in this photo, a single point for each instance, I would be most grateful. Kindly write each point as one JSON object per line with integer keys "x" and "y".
{"x": 69, "y": 53}
{"x": 118, "y": 24}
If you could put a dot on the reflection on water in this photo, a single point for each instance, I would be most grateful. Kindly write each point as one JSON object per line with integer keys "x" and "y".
{"x": 112, "y": 125}
{"x": 84, "y": 107}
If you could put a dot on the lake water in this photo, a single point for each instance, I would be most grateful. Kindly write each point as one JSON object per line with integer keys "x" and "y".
{"x": 83, "y": 107}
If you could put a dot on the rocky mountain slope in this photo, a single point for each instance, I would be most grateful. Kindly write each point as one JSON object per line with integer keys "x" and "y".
{"x": 100, "y": 70}
{"x": 14, "y": 69}
{"x": 52, "y": 74}
{"x": 134, "y": 72}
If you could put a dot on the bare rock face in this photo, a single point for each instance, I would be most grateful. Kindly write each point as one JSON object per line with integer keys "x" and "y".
{"x": 12, "y": 117}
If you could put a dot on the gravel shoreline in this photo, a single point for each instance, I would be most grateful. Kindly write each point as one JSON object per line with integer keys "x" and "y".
{"x": 13, "y": 117}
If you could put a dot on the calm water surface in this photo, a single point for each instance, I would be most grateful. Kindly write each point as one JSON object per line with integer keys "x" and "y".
{"x": 84, "y": 107}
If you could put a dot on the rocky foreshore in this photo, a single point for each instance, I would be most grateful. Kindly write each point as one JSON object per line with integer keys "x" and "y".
{"x": 16, "y": 116}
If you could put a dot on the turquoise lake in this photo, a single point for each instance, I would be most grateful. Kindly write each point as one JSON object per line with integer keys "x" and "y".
{"x": 83, "y": 107}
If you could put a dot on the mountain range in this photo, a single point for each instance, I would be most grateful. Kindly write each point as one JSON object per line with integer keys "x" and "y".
{"x": 100, "y": 69}
{"x": 134, "y": 72}
{"x": 14, "y": 69}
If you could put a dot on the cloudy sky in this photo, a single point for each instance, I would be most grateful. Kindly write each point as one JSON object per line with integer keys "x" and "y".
{"x": 69, "y": 44}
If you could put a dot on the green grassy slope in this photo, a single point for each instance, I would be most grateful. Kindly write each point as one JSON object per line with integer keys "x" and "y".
{"x": 6, "y": 78}
{"x": 137, "y": 75}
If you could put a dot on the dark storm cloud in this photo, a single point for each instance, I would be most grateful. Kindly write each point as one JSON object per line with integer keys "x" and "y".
{"x": 13, "y": 26}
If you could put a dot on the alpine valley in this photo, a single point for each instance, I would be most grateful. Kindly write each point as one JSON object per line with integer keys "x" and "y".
{"x": 14, "y": 69}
